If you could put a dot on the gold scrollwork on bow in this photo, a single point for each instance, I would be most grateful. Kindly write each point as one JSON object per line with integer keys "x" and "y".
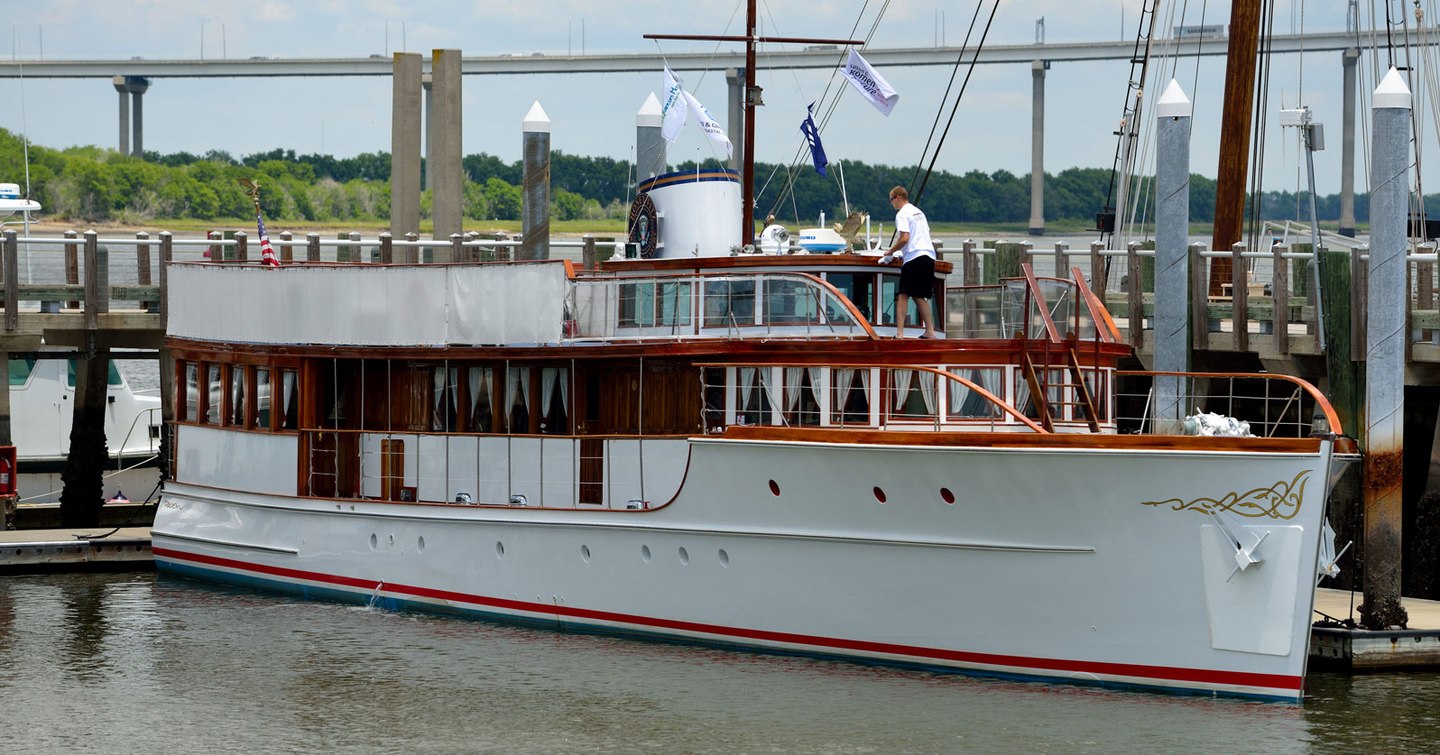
{"x": 1279, "y": 501}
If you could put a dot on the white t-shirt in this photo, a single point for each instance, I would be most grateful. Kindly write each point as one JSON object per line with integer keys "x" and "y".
{"x": 912, "y": 221}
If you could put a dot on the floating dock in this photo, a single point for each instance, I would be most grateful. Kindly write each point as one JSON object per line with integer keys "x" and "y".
{"x": 88, "y": 549}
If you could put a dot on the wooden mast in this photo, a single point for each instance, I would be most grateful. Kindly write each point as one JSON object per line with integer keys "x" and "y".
{"x": 1235, "y": 122}
{"x": 750, "y": 98}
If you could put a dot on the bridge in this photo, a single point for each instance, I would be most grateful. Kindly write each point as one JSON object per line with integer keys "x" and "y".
{"x": 822, "y": 56}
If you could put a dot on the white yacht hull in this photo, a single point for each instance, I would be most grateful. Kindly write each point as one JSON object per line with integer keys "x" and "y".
{"x": 1083, "y": 564}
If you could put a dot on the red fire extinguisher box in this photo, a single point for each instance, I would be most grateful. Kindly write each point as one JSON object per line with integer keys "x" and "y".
{"x": 7, "y": 470}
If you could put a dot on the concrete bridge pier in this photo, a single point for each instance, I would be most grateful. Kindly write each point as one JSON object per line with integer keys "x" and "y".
{"x": 735, "y": 84}
{"x": 405, "y": 144}
{"x": 1348, "y": 60}
{"x": 444, "y": 169}
{"x": 135, "y": 86}
{"x": 1037, "y": 148}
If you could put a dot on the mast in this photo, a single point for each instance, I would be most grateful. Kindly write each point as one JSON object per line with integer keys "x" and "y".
{"x": 750, "y": 99}
{"x": 1234, "y": 135}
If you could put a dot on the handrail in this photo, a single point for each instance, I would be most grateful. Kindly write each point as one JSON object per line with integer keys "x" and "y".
{"x": 1098, "y": 312}
{"x": 1320, "y": 400}
{"x": 1034, "y": 286}
{"x": 987, "y": 395}
{"x": 149, "y": 414}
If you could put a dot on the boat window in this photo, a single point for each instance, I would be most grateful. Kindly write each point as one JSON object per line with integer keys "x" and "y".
{"x": 555, "y": 400}
{"x": 912, "y": 394}
{"x": 112, "y": 378}
{"x": 517, "y": 399}
{"x": 729, "y": 303}
{"x": 889, "y": 290}
{"x": 481, "y": 382}
{"x": 191, "y": 403}
{"x": 445, "y": 408}
{"x": 859, "y": 288}
{"x": 790, "y": 302}
{"x": 212, "y": 394}
{"x": 1023, "y": 402}
{"x": 1099, "y": 392}
{"x": 963, "y": 402}
{"x": 802, "y": 402}
{"x": 20, "y": 371}
{"x": 289, "y": 399}
{"x": 637, "y": 304}
{"x": 753, "y": 396}
{"x": 851, "y": 404}
{"x": 262, "y": 398}
{"x": 236, "y": 393}
{"x": 713, "y": 378}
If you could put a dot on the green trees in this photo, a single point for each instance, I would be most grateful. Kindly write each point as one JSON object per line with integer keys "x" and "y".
{"x": 92, "y": 184}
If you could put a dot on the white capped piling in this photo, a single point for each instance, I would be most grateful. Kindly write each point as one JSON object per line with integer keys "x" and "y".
{"x": 445, "y": 165}
{"x": 1172, "y": 257}
{"x": 649, "y": 144}
{"x": 1387, "y": 292}
{"x": 535, "y": 214}
{"x": 405, "y": 144}
{"x": 1037, "y": 148}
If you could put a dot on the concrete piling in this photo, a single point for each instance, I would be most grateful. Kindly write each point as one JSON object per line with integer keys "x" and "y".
{"x": 1172, "y": 259}
{"x": 405, "y": 144}
{"x": 445, "y": 155}
{"x": 1385, "y": 352}
{"x": 1348, "y": 61}
{"x": 535, "y": 213}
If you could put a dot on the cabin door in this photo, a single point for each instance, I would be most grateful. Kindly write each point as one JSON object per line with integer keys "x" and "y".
{"x": 392, "y": 468}
{"x": 592, "y": 470}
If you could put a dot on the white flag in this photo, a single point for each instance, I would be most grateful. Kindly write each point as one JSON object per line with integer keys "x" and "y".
{"x": 876, "y": 89}
{"x": 709, "y": 125}
{"x": 672, "y": 107}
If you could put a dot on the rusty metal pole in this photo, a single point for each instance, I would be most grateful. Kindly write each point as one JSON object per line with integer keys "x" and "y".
{"x": 1385, "y": 353}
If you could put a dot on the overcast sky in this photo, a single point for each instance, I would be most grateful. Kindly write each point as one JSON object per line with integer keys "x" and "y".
{"x": 594, "y": 114}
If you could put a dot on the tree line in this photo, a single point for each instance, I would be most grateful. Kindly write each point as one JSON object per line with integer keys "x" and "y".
{"x": 92, "y": 184}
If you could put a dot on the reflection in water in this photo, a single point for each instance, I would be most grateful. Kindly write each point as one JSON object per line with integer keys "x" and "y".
{"x": 168, "y": 665}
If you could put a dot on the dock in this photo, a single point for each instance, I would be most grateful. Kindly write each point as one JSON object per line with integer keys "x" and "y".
{"x": 70, "y": 550}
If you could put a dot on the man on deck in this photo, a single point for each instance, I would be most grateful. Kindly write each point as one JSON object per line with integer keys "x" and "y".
{"x": 917, "y": 271}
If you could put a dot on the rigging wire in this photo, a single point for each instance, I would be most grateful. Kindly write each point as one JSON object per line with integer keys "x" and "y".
{"x": 920, "y": 190}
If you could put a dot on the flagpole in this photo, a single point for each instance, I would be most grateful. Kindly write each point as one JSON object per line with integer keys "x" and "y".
{"x": 750, "y": 99}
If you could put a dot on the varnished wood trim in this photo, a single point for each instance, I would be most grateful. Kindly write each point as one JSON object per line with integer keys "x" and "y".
{"x": 989, "y": 439}
{"x": 816, "y": 262}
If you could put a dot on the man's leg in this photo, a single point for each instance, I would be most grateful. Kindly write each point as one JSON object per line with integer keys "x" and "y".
{"x": 924, "y": 306}
{"x": 902, "y": 307}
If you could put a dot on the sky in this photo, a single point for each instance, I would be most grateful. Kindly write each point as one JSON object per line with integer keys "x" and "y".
{"x": 594, "y": 114}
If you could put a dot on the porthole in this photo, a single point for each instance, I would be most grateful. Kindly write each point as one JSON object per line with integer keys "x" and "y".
{"x": 947, "y": 496}
{"x": 645, "y": 553}
{"x": 684, "y": 557}
{"x": 499, "y": 549}
{"x": 420, "y": 545}
{"x": 774, "y": 488}
{"x": 879, "y": 494}
{"x": 374, "y": 541}
{"x": 724, "y": 558}
{"x": 585, "y": 553}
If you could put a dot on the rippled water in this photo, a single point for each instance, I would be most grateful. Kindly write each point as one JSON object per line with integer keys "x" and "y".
{"x": 141, "y": 663}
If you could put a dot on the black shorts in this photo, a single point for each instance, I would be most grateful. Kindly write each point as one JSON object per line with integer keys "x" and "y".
{"x": 917, "y": 277}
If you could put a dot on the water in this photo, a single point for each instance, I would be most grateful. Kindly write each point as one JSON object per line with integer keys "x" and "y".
{"x": 142, "y": 663}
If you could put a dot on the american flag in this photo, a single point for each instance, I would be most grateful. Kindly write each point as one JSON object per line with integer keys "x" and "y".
{"x": 267, "y": 254}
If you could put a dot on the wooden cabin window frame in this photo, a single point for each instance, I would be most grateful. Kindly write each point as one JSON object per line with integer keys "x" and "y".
{"x": 236, "y": 377}
{"x": 906, "y": 397}
{"x": 555, "y": 386}
{"x": 753, "y": 396}
{"x": 730, "y": 303}
{"x": 959, "y": 396}
{"x": 479, "y": 384}
{"x": 257, "y": 419}
{"x": 289, "y": 413}
{"x": 803, "y": 397}
{"x": 846, "y": 385}
{"x": 188, "y": 386}
{"x": 212, "y": 388}
{"x": 444, "y": 401}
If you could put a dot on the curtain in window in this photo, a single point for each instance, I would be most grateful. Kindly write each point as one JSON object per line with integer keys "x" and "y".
{"x": 902, "y": 380}
{"x": 927, "y": 390}
{"x": 793, "y": 378}
{"x": 481, "y": 382}
{"x": 747, "y": 387}
{"x": 844, "y": 386}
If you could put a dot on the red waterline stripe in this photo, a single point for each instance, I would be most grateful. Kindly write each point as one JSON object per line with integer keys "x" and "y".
{"x": 1166, "y": 673}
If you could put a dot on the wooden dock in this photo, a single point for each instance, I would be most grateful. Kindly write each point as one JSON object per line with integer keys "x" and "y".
{"x": 89, "y": 549}
{"x": 1343, "y": 647}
